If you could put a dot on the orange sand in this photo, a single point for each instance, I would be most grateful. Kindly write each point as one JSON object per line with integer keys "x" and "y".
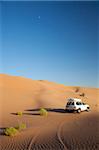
{"x": 58, "y": 131}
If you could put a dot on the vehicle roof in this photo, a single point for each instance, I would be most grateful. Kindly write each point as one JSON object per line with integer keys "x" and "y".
{"x": 74, "y": 99}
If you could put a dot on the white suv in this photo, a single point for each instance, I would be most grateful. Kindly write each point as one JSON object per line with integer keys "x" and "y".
{"x": 75, "y": 104}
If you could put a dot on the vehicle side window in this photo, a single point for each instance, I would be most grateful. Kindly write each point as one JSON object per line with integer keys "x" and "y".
{"x": 83, "y": 103}
{"x": 80, "y": 103}
{"x": 77, "y": 103}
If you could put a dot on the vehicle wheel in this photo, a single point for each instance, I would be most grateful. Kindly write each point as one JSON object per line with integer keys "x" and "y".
{"x": 79, "y": 110}
{"x": 75, "y": 112}
{"x": 88, "y": 109}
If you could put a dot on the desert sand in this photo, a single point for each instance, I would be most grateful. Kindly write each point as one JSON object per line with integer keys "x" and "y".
{"x": 59, "y": 130}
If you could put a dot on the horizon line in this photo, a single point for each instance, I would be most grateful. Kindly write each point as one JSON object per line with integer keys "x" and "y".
{"x": 48, "y": 81}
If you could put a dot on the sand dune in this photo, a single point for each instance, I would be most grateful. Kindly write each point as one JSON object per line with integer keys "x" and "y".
{"x": 58, "y": 131}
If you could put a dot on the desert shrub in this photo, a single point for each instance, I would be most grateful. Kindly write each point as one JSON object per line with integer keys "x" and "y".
{"x": 82, "y": 94}
{"x": 43, "y": 112}
{"x": 20, "y": 113}
{"x": 11, "y": 131}
{"x": 77, "y": 89}
{"x": 21, "y": 126}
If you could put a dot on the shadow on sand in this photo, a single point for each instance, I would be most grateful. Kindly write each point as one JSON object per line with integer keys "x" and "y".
{"x": 36, "y": 114}
{"x": 57, "y": 110}
{"x": 2, "y": 130}
{"x": 36, "y": 111}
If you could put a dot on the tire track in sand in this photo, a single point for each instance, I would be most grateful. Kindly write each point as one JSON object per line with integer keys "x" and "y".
{"x": 34, "y": 138}
{"x": 31, "y": 142}
{"x": 59, "y": 135}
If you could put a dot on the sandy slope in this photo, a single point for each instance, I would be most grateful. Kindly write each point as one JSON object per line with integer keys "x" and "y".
{"x": 59, "y": 130}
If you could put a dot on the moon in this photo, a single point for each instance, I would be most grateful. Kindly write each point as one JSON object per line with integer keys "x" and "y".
{"x": 39, "y": 17}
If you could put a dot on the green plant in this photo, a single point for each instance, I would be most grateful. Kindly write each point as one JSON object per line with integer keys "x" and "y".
{"x": 20, "y": 113}
{"x": 43, "y": 112}
{"x": 21, "y": 126}
{"x": 11, "y": 131}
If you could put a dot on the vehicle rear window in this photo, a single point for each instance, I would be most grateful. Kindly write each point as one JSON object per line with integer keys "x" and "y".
{"x": 70, "y": 103}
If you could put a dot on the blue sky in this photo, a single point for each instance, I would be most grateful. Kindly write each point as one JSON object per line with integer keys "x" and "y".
{"x": 55, "y": 41}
